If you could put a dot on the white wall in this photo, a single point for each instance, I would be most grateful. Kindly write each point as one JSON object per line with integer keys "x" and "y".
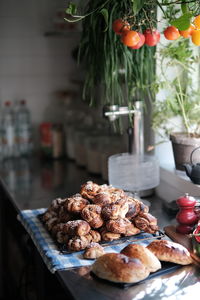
{"x": 33, "y": 66}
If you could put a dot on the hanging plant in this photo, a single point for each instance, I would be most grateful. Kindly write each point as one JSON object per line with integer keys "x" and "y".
{"x": 117, "y": 44}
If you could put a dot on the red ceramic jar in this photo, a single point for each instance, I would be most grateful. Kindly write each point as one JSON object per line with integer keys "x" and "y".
{"x": 186, "y": 217}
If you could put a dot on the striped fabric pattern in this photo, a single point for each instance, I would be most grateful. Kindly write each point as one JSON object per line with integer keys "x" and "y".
{"x": 53, "y": 258}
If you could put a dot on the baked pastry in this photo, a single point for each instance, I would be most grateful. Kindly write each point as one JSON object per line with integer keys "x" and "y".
{"x": 89, "y": 190}
{"x": 169, "y": 251}
{"x": 75, "y": 204}
{"x": 116, "y": 194}
{"x": 109, "y": 236}
{"x": 117, "y": 267}
{"x": 61, "y": 237}
{"x": 102, "y": 198}
{"x": 92, "y": 214}
{"x": 147, "y": 257}
{"x": 133, "y": 209}
{"x": 143, "y": 208}
{"x": 131, "y": 230}
{"x": 51, "y": 223}
{"x": 118, "y": 226}
{"x": 64, "y": 216}
{"x": 76, "y": 227}
{"x": 49, "y": 214}
{"x": 78, "y": 243}
{"x": 95, "y": 236}
{"x": 57, "y": 227}
{"x": 56, "y": 204}
{"x": 115, "y": 210}
{"x": 146, "y": 222}
{"x": 93, "y": 251}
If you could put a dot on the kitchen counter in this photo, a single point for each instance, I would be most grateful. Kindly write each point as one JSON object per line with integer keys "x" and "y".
{"x": 30, "y": 184}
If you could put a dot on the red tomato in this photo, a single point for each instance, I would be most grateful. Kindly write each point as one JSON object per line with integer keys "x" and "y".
{"x": 171, "y": 33}
{"x": 119, "y": 26}
{"x": 140, "y": 43}
{"x": 130, "y": 38}
{"x": 187, "y": 33}
{"x": 152, "y": 37}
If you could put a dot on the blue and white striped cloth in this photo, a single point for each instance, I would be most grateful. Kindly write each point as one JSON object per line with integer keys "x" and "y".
{"x": 53, "y": 258}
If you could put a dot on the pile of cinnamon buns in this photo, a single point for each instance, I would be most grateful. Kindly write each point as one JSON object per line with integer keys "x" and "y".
{"x": 97, "y": 213}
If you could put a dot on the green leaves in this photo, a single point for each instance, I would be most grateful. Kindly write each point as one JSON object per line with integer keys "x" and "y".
{"x": 183, "y": 22}
{"x": 71, "y": 9}
{"x": 105, "y": 14}
{"x": 137, "y": 5}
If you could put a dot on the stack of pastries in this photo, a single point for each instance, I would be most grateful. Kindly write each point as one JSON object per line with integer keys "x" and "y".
{"x": 97, "y": 213}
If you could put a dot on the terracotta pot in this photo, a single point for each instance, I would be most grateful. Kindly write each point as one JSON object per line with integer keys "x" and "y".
{"x": 183, "y": 145}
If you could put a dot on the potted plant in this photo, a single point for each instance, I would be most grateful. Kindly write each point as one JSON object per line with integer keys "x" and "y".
{"x": 178, "y": 115}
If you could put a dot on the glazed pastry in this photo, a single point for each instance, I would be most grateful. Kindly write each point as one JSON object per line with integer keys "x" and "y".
{"x": 134, "y": 208}
{"x": 76, "y": 227}
{"x": 49, "y": 214}
{"x": 75, "y": 204}
{"x": 118, "y": 225}
{"x": 92, "y": 214}
{"x": 146, "y": 222}
{"x": 93, "y": 251}
{"x": 61, "y": 237}
{"x": 64, "y": 216}
{"x": 95, "y": 236}
{"x": 109, "y": 236}
{"x": 56, "y": 204}
{"x": 50, "y": 223}
{"x": 77, "y": 243}
{"x": 117, "y": 267}
{"x": 169, "y": 251}
{"x": 102, "y": 198}
{"x": 115, "y": 210}
{"x": 140, "y": 252}
{"x": 143, "y": 208}
{"x": 57, "y": 227}
{"x": 89, "y": 190}
{"x": 131, "y": 230}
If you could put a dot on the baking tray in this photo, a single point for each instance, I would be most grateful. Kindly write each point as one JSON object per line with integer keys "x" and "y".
{"x": 134, "y": 238}
{"x": 167, "y": 267}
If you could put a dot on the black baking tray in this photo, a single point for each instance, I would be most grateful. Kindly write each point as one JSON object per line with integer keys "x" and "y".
{"x": 134, "y": 238}
{"x": 167, "y": 267}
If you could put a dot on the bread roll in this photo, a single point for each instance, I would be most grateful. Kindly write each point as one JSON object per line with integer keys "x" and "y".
{"x": 117, "y": 267}
{"x": 170, "y": 251}
{"x": 93, "y": 251}
{"x": 147, "y": 257}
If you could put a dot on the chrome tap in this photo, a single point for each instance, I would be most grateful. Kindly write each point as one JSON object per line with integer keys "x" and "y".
{"x": 136, "y": 142}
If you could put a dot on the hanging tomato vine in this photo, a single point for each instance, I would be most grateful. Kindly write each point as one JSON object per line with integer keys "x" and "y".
{"x": 118, "y": 39}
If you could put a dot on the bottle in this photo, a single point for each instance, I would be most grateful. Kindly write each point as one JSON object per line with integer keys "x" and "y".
{"x": 8, "y": 131}
{"x": 23, "y": 129}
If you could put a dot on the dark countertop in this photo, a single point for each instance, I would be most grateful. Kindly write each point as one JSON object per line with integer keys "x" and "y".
{"x": 32, "y": 183}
